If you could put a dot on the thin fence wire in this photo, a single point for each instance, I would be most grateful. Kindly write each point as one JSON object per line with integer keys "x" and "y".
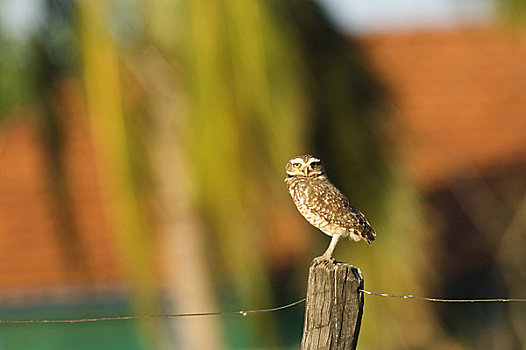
{"x": 447, "y": 300}
{"x": 273, "y": 309}
{"x": 124, "y": 318}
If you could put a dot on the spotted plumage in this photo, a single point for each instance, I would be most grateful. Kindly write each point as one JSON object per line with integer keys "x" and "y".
{"x": 323, "y": 205}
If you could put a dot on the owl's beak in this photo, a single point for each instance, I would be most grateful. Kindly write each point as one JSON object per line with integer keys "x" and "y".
{"x": 306, "y": 171}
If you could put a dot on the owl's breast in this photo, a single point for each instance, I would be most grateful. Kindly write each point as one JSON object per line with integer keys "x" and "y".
{"x": 306, "y": 197}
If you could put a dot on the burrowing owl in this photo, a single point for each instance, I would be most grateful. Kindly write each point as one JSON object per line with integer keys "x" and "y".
{"x": 323, "y": 205}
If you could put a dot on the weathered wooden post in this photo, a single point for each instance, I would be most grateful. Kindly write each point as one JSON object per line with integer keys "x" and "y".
{"x": 334, "y": 307}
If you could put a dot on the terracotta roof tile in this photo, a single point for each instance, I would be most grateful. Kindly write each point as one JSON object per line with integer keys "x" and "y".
{"x": 460, "y": 98}
{"x": 31, "y": 258}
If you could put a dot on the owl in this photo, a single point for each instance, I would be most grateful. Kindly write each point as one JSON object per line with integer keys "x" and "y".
{"x": 323, "y": 205}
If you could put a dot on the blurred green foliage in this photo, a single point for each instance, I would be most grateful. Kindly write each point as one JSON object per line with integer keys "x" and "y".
{"x": 513, "y": 11}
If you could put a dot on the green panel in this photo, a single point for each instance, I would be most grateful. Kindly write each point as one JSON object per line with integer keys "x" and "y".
{"x": 92, "y": 335}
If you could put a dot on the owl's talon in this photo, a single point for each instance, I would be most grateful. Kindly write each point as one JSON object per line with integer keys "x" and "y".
{"x": 322, "y": 259}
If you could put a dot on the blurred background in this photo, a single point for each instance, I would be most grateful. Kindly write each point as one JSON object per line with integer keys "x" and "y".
{"x": 142, "y": 154}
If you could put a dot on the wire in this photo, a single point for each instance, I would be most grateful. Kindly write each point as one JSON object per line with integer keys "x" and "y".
{"x": 448, "y": 300}
{"x": 278, "y": 308}
{"x": 121, "y": 318}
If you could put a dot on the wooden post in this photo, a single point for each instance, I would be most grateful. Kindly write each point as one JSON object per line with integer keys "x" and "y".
{"x": 334, "y": 307}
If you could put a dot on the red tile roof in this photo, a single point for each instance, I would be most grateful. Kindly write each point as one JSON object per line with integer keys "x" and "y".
{"x": 460, "y": 98}
{"x": 31, "y": 258}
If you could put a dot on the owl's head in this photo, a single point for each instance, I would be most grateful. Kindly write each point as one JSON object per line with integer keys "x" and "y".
{"x": 306, "y": 166}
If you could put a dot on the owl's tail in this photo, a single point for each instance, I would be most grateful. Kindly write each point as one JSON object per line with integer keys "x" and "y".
{"x": 369, "y": 234}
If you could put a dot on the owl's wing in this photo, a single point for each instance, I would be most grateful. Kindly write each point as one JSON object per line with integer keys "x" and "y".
{"x": 339, "y": 210}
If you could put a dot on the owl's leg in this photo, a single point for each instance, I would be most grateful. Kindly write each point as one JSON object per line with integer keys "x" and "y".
{"x": 328, "y": 253}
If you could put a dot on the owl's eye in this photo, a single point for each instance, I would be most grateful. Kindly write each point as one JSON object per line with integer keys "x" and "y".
{"x": 315, "y": 164}
{"x": 296, "y": 165}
